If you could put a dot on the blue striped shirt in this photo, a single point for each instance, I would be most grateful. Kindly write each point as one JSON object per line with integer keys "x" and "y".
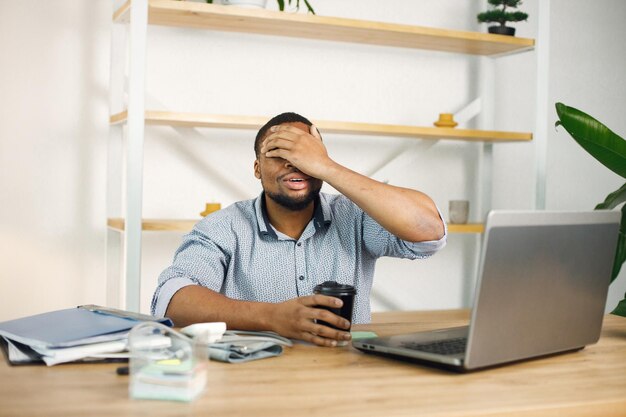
{"x": 238, "y": 253}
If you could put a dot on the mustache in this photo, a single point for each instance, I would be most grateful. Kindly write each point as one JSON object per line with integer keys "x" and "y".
{"x": 295, "y": 171}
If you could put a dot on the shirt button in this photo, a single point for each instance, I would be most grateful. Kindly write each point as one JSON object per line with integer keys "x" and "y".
{"x": 299, "y": 243}
{"x": 301, "y": 277}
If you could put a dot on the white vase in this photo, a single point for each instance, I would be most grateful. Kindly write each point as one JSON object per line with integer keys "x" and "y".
{"x": 257, "y": 4}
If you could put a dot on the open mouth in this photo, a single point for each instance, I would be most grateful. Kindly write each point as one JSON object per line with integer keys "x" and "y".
{"x": 295, "y": 182}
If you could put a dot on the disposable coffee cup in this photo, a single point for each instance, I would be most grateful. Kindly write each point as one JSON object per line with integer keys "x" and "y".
{"x": 346, "y": 294}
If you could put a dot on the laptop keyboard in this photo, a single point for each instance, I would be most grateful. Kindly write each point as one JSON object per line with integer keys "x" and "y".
{"x": 441, "y": 347}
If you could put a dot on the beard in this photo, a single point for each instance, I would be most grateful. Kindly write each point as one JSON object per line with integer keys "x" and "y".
{"x": 295, "y": 204}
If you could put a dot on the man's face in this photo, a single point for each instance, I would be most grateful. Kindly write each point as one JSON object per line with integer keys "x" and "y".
{"x": 284, "y": 183}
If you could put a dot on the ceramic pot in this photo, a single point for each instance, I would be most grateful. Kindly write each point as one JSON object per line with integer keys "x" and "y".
{"x": 458, "y": 211}
{"x": 445, "y": 120}
{"x": 502, "y": 30}
{"x": 210, "y": 208}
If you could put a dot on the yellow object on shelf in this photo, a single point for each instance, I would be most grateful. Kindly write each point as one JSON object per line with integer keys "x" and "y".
{"x": 210, "y": 208}
{"x": 446, "y": 120}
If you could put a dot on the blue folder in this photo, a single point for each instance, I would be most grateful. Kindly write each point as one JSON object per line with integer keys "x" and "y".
{"x": 73, "y": 326}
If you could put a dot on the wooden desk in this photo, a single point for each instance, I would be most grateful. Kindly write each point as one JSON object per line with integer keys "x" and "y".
{"x": 312, "y": 381}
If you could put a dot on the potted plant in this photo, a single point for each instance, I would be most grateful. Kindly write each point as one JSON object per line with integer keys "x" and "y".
{"x": 500, "y": 14}
{"x": 261, "y": 4}
{"x": 281, "y": 5}
{"x": 610, "y": 150}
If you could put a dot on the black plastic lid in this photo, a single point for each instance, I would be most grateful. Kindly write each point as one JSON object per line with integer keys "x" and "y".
{"x": 334, "y": 288}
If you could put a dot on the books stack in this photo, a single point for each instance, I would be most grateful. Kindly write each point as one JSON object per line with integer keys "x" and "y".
{"x": 85, "y": 333}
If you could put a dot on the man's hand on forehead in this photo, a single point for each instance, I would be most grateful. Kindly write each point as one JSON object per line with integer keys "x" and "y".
{"x": 283, "y": 136}
{"x": 302, "y": 149}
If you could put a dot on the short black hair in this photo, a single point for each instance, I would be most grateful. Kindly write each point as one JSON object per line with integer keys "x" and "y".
{"x": 288, "y": 117}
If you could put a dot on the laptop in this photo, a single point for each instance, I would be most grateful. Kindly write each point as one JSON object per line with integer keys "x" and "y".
{"x": 542, "y": 285}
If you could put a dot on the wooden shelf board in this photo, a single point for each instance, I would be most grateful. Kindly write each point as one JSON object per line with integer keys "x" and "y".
{"x": 194, "y": 120}
{"x": 466, "y": 228}
{"x": 154, "y": 225}
{"x": 300, "y": 25}
{"x": 170, "y": 225}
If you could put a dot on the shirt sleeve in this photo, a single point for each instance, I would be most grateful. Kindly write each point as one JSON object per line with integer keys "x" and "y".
{"x": 379, "y": 242}
{"x": 165, "y": 292}
{"x": 198, "y": 261}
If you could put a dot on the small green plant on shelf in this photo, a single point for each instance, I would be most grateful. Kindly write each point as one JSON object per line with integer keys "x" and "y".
{"x": 610, "y": 150}
{"x": 500, "y": 14}
{"x": 281, "y": 5}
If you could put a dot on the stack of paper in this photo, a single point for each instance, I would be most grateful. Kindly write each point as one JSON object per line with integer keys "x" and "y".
{"x": 70, "y": 335}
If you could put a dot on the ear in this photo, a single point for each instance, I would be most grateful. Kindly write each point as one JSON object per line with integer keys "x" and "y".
{"x": 315, "y": 132}
{"x": 257, "y": 170}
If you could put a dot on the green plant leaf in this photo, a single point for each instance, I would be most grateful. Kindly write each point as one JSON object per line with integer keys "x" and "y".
{"x": 516, "y": 16}
{"x": 614, "y": 199}
{"x": 492, "y": 16}
{"x": 620, "y": 253}
{"x": 620, "y": 257}
{"x": 281, "y": 5}
{"x": 507, "y": 3}
{"x": 308, "y": 6}
{"x": 620, "y": 310}
{"x": 597, "y": 139}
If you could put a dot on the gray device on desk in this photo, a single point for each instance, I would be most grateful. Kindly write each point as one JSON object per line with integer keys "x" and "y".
{"x": 542, "y": 286}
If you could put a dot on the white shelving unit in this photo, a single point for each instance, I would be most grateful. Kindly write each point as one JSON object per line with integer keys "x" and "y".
{"x": 129, "y": 115}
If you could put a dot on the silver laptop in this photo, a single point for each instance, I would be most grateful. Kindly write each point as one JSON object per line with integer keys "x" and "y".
{"x": 543, "y": 279}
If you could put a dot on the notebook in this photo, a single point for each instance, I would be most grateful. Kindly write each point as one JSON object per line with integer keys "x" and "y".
{"x": 542, "y": 285}
{"x": 69, "y": 334}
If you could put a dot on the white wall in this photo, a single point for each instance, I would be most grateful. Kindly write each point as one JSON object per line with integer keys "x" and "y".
{"x": 587, "y": 65}
{"x": 53, "y": 133}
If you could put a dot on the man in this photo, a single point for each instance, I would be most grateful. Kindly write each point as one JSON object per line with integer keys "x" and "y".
{"x": 254, "y": 264}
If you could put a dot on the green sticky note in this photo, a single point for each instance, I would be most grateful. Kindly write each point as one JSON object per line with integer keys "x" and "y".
{"x": 363, "y": 335}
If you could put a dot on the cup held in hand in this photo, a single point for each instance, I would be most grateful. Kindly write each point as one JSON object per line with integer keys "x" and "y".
{"x": 346, "y": 294}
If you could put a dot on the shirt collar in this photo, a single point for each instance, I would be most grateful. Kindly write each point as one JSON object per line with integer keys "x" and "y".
{"x": 265, "y": 229}
{"x": 321, "y": 215}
